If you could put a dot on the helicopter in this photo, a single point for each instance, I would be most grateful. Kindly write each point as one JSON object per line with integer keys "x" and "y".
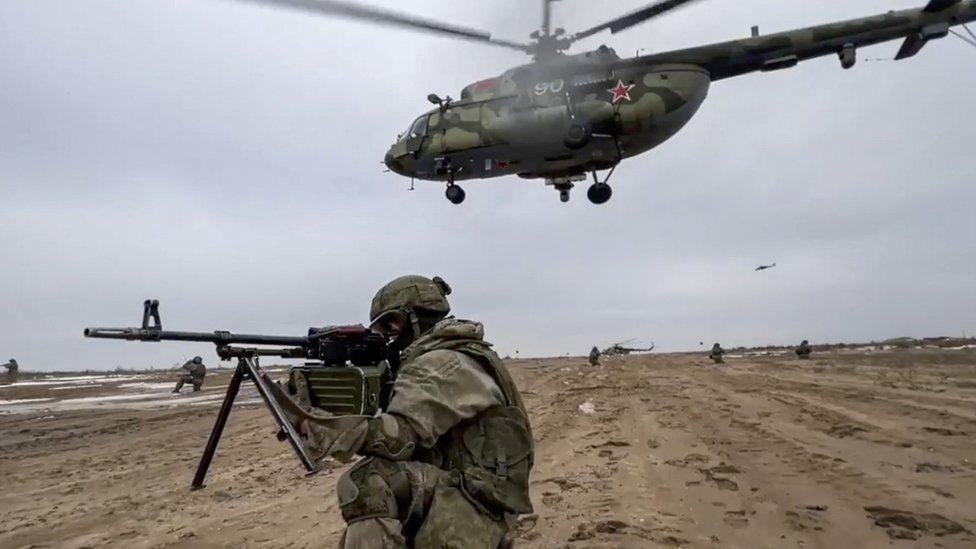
{"x": 564, "y": 116}
{"x": 621, "y": 349}
{"x": 764, "y": 267}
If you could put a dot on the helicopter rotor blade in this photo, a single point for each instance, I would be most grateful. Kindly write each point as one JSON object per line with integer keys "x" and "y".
{"x": 391, "y": 18}
{"x": 634, "y": 18}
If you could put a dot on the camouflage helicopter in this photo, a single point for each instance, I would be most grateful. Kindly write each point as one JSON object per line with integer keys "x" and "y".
{"x": 564, "y": 116}
{"x": 621, "y": 348}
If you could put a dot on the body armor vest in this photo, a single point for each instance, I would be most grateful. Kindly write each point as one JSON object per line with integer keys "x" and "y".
{"x": 490, "y": 455}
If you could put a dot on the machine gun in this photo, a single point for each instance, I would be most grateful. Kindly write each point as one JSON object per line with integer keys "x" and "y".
{"x": 347, "y": 372}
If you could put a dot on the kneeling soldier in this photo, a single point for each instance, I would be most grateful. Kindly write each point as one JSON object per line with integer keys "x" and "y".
{"x": 804, "y": 350}
{"x": 195, "y": 374}
{"x": 447, "y": 462}
{"x": 716, "y": 354}
{"x": 594, "y": 357}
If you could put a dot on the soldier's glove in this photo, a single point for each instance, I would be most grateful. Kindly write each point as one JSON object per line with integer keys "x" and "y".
{"x": 339, "y": 437}
{"x": 342, "y": 437}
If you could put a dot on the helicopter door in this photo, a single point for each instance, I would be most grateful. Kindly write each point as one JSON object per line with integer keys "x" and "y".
{"x": 416, "y": 133}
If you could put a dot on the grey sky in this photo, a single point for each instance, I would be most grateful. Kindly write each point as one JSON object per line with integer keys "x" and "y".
{"x": 225, "y": 159}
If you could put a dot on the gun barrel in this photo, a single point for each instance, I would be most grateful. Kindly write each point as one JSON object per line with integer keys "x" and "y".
{"x": 218, "y": 338}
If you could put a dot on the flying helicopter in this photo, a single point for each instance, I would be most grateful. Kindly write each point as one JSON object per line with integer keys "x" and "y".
{"x": 765, "y": 266}
{"x": 621, "y": 348}
{"x": 564, "y": 116}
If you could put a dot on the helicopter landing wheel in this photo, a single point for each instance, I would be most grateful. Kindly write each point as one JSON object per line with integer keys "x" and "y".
{"x": 599, "y": 193}
{"x": 454, "y": 193}
{"x": 564, "y": 195}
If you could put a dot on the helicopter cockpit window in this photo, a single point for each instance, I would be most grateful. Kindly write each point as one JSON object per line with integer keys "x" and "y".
{"x": 418, "y": 128}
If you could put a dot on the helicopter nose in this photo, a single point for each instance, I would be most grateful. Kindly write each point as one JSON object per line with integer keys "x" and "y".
{"x": 391, "y": 162}
{"x": 394, "y": 164}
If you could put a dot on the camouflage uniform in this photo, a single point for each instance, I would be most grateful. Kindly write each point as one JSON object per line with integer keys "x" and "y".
{"x": 195, "y": 374}
{"x": 716, "y": 354}
{"x": 447, "y": 462}
{"x": 804, "y": 350}
{"x": 594, "y": 357}
{"x": 12, "y": 368}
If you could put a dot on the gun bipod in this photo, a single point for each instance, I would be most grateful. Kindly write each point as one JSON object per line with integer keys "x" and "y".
{"x": 248, "y": 368}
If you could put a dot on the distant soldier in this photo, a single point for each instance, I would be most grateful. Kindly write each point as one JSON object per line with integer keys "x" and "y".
{"x": 195, "y": 373}
{"x": 716, "y": 354}
{"x": 804, "y": 350}
{"x": 594, "y": 357}
{"x": 12, "y": 368}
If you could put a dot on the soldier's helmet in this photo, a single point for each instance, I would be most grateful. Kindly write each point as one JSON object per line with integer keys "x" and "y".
{"x": 804, "y": 342}
{"x": 197, "y": 360}
{"x": 409, "y": 295}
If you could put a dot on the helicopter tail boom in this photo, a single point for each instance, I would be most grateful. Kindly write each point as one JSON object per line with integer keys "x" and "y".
{"x": 786, "y": 49}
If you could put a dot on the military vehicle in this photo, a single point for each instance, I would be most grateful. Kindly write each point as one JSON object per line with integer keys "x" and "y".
{"x": 564, "y": 116}
{"x": 765, "y": 267}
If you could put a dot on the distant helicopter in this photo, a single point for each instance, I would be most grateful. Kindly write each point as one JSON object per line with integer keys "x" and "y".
{"x": 764, "y": 267}
{"x": 563, "y": 116}
{"x": 619, "y": 349}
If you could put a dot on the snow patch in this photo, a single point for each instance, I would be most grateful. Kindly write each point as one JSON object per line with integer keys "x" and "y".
{"x": 15, "y": 402}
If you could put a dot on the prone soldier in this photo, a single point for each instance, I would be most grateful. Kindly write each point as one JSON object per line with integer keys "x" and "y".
{"x": 195, "y": 374}
{"x": 446, "y": 463}
{"x": 803, "y": 351}
{"x": 12, "y": 368}
{"x": 716, "y": 354}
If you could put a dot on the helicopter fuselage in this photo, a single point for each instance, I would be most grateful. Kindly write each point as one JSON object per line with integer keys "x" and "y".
{"x": 567, "y": 115}
{"x": 519, "y": 122}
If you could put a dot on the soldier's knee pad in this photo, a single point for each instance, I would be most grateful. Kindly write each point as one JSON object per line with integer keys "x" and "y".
{"x": 373, "y": 488}
{"x": 454, "y": 522}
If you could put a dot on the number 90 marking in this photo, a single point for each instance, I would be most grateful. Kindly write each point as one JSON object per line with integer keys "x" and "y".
{"x": 555, "y": 86}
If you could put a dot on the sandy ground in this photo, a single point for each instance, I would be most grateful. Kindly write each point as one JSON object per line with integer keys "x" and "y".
{"x": 862, "y": 449}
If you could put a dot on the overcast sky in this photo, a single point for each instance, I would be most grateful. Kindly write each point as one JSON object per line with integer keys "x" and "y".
{"x": 225, "y": 159}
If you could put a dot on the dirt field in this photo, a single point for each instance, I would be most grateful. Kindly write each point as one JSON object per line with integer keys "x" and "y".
{"x": 861, "y": 449}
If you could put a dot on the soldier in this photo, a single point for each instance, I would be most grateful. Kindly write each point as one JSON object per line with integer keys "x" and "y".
{"x": 12, "y": 368}
{"x": 804, "y": 350}
{"x": 716, "y": 354}
{"x": 195, "y": 373}
{"x": 594, "y": 357}
{"x": 447, "y": 462}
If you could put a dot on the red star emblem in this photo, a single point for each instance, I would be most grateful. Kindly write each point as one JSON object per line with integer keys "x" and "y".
{"x": 621, "y": 91}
